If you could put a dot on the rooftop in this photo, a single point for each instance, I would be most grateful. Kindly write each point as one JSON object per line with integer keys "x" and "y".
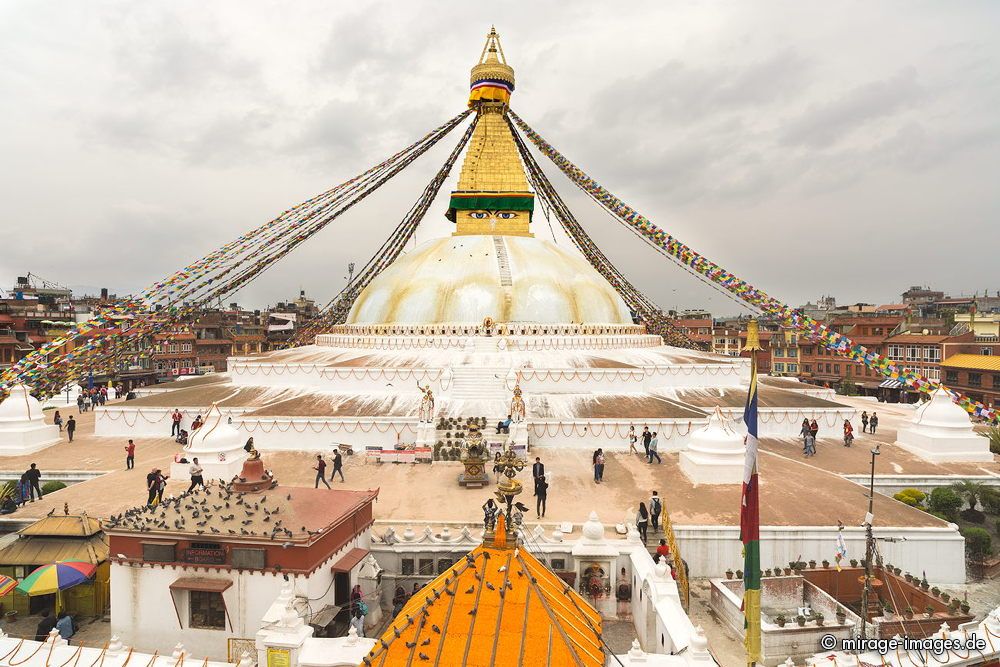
{"x": 982, "y": 362}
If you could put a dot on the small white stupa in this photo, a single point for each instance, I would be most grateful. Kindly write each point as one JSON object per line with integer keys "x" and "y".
{"x": 942, "y": 432}
{"x": 66, "y": 397}
{"x": 22, "y": 426}
{"x": 217, "y": 445}
{"x": 715, "y": 454}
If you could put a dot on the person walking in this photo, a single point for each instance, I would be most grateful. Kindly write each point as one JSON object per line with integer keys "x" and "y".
{"x": 642, "y": 521}
{"x": 358, "y": 622}
{"x": 320, "y": 469}
{"x": 497, "y": 468}
{"x": 873, "y": 423}
{"x": 663, "y": 551}
{"x": 655, "y": 508}
{"x": 58, "y": 420}
{"x": 864, "y": 421}
{"x": 154, "y": 484}
{"x": 599, "y": 465}
{"x": 175, "y": 426}
{"x": 537, "y": 469}
{"x": 848, "y": 433}
{"x": 196, "y": 475}
{"x": 130, "y": 455}
{"x": 24, "y": 489}
{"x": 814, "y": 429}
{"x": 651, "y": 451}
{"x": 810, "y": 447}
{"x": 338, "y": 465}
{"x": 33, "y": 475}
{"x": 71, "y": 427}
{"x": 632, "y": 439}
{"x": 646, "y": 437}
{"x": 79, "y": 403}
{"x": 541, "y": 494}
{"x": 803, "y": 432}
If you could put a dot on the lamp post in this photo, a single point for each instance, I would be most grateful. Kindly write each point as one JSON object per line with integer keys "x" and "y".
{"x": 869, "y": 545}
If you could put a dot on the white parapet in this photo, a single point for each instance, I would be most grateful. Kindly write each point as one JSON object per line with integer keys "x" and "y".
{"x": 715, "y": 454}
{"x": 22, "y": 426}
{"x": 941, "y": 432}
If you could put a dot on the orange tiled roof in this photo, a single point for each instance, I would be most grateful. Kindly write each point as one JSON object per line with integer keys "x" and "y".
{"x": 496, "y": 606}
{"x": 982, "y": 362}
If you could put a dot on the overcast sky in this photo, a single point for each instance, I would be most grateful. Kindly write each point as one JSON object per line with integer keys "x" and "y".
{"x": 810, "y": 147}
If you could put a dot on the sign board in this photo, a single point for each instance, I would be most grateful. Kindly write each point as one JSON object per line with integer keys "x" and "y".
{"x": 205, "y": 556}
{"x": 279, "y": 657}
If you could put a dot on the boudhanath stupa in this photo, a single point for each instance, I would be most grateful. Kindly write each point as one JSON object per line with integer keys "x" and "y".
{"x": 483, "y": 324}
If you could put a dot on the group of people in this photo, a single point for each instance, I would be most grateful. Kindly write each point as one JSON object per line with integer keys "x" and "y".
{"x": 650, "y": 443}
{"x": 91, "y": 398}
{"x": 62, "y": 622}
{"x": 320, "y": 468}
{"x": 70, "y": 424}
{"x": 598, "y": 463}
{"x": 541, "y": 486}
{"x": 181, "y": 434}
{"x": 810, "y": 431}
{"x": 648, "y": 517}
{"x": 869, "y": 422}
{"x": 28, "y": 486}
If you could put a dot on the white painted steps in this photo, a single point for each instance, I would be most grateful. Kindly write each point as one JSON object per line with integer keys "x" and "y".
{"x": 478, "y": 383}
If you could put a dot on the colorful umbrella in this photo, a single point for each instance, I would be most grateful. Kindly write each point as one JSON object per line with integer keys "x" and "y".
{"x": 56, "y": 577}
{"x": 7, "y": 585}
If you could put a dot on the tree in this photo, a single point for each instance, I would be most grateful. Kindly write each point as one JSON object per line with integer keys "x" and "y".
{"x": 990, "y": 499}
{"x": 912, "y": 497}
{"x": 970, "y": 491}
{"x": 978, "y": 544}
{"x": 944, "y": 501}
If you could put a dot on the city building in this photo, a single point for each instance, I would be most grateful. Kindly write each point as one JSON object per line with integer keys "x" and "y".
{"x": 205, "y": 566}
{"x": 975, "y": 375}
{"x": 697, "y": 329}
{"x": 819, "y": 365}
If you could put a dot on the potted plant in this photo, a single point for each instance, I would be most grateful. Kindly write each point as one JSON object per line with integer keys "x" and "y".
{"x": 945, "y": 597}
{"x": 929, "y": 610}
{"x": 812, "y": 565}
{"x": 780, "y": 620}
{"x": 841, "y": 616}
{"x": 729, "y": 574}
{"x": 908, "y": 577}
{"x": 897, "y": 570}
{"x": 818, "y": 618}
{"x": 936, "y": 592}
{"x": 908, "y": 613}
{"x": 954, "y": 605}
{"x": 739, "y": 574}
{"x": 854, "y": 562}
{"x": 767, "y": 573}
{"x": 886, "y": 609}
{"x": 925, "y": 585}
{"x": 788, "y": 571}
{"x": 826, "y": 563}
{"x": 965, "y": 607}
{"x": 801, "y": 620}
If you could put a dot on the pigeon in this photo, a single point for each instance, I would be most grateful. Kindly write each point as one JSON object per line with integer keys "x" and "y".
{"x": 426, "y": 642}
{"x": 472, "y": 612}
{"x": 410, "y": 644}
{"x": 490, "y": 586}
{"x": 423, "y": 656}
{"x": 435, "y": 628}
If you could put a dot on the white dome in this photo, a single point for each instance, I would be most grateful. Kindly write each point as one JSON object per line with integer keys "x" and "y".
{"x": 464, "y": 279}
{"x": 215, "y": 436}
{"x": 716, "y": 437}
{"x": 20, "y": 406}
{"x": 940, "y": 412}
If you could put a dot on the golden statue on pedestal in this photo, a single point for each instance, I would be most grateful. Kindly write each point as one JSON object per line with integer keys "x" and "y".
{"x": 517, "y": 408}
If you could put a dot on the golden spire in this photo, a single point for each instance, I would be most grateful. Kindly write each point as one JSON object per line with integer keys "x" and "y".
{"x": 493, "y": 195}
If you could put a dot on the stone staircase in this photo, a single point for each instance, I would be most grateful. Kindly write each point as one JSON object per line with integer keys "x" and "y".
{"x": 477, "y": 383}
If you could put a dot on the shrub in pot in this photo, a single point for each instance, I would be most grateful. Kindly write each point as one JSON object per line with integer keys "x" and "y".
{"x": 945, "y": 597}
{"x": 801, "y": 620}
{"x": 739, "y": 574}
{"x": 897, "y": 570}
{"x": 729, "y": 574}
{"x": 818, "y": 618}
{"x": 929, "y": 610}
{"x": 908, "y": 577}
{"x": 965, "y": 607}
{"x": 908, "y": 613}
{"x": 788, "y": 571}
{"x": 955, "y": 604}
{"x": 841, "y": 617}
{"x": 924, "y": 585}
{"x": 780, "y": 620}
{"x": 936, "y": 592}
{"x": 812, "y": 565}
{"x": 854, "y": 562}
{"x": 826, "y": 563}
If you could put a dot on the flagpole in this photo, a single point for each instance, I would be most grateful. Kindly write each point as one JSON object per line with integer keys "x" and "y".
{"x": 750, "y": 510}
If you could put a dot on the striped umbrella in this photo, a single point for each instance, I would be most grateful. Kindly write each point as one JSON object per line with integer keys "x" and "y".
{"x": 7, "y": 585}
{"x": 57, "y": 577}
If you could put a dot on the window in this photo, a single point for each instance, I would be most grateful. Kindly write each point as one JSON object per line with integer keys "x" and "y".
{"x": 996, "y": 381}
{"x": 779, "y": 368}
{"x": 986, "y": 351}
{"x": 896, "y": 352}
{"x": 913, "y": 353}
{"x": 159, "y": 552}
{"x": 249, "y": 559}
{"x": 807, "y": 368}
{"x": 427, "y": 566}
{"x": 828, "y": 369}
{"x": 975, "y": 379}
{"x": 407, "y": 566}
{"x": 836, "y": 369}
{"x": 207, "y": 610}
{"x": 933, "y": 373}
{"x": 951, "y": 376}
{"x": 793, "y": 368}
{"x": 932, "y": 354}
{"x": 444, "y": 564}
{"x": 558, "y": 563}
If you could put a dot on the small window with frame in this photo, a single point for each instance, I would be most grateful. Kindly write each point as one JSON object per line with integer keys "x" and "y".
{"x": 207, "y": 610}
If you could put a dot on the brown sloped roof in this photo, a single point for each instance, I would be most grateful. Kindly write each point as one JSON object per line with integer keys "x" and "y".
{"x": 73, "y": 525}
{"x": 45, "y": 550}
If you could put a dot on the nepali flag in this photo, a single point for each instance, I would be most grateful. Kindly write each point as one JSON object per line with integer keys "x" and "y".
{"x": 750, "y": 524}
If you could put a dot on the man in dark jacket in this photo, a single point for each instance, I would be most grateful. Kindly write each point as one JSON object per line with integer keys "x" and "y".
{"x": 32, "y": 475}
{"x": 45, "y": 626}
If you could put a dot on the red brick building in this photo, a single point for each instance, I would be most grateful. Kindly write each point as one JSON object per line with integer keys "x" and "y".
{"x": 975, "y": 375}
{"x": 824, "y": 367}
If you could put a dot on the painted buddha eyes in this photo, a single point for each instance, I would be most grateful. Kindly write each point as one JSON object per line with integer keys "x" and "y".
{"x": 502, "y": 215}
